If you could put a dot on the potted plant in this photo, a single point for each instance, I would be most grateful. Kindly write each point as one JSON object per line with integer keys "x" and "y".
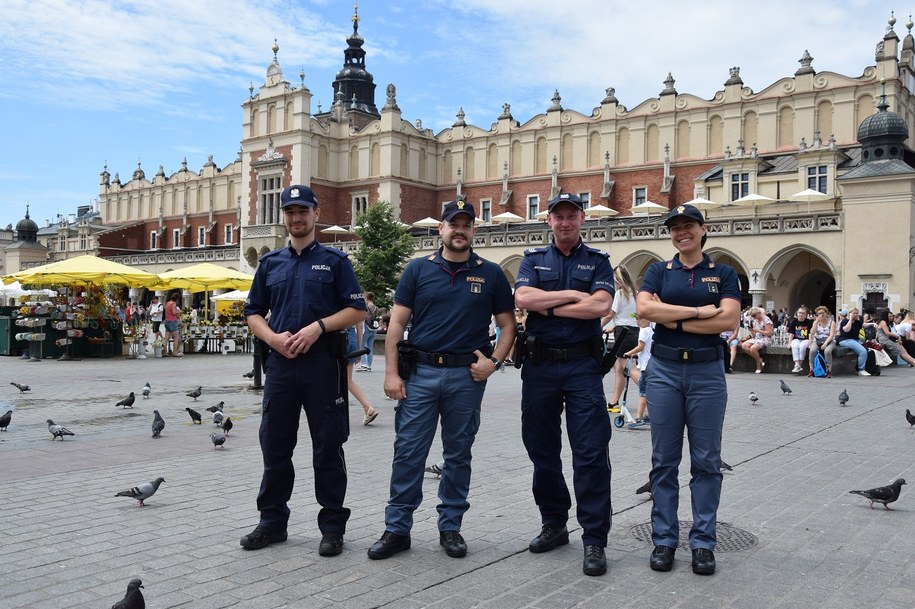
{"x": 158, "y": 345}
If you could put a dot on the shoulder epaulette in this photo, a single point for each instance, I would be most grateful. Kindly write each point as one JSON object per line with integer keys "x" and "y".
{"x": 271, "y": 253}
{"x": 535, "y": 250}
{"x": 595, "y": 250}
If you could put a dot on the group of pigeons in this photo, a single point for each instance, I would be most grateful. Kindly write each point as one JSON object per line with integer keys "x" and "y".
{"x": 881, "y": 494}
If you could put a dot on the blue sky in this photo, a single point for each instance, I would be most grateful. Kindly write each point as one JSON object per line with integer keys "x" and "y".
{"x": 87, "y": 82}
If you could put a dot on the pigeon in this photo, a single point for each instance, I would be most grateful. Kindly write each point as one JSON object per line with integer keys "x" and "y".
{"x": 908, "y": 417}
{"x": 58, "y": 431}
{"x": 843, "y": 398}
{"x": 786, "y": 390}
{"x": 195, "y": 393}
{"x": 158, "y": 424}
{"x": 724, "y": 465}
{"x": 249, "y": 375}
{"x": 146, "y": 390}
{"x": 645, "y": 488}
{"x": 133, "y": 599}
{"x": 195, "y": 416}
{"x": 753, "y": 398}
{"x": 21, "y": 388}
{"x": 142, "y": 492}
{"x": 218, "y": 418}
{"x": 217, "y": 408}
{"x": 6, "y": 418}
{"x": 882, "y": 494}
{"x": 218, "y": 439}
{"x": 128, "y": 401}
{"x": 227, "y": 425}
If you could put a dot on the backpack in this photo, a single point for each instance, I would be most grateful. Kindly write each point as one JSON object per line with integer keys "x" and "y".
{"x": 819, "y": 366}
{"x": 372, "y": 320}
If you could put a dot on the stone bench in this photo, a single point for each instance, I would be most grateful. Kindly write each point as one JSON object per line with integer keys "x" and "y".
{"x": 778, "y": 359}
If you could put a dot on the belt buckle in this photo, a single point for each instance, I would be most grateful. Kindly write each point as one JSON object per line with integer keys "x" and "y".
{"x": 562, "y": 355}
{"x": 439, "y": 358}
{"x": 685, "y": 354}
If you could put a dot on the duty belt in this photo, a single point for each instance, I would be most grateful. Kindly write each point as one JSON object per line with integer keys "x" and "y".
{"x": 445, "y": 360}
{"x": 563, "y": 354}
{"x": 703, "y": 354}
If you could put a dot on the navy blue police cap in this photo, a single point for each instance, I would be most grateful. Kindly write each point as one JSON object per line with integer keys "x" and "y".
{"x": 297, "y": 194}
{"x": 684, "y": 211}
{"x": 453, "y": 208}
{"x": 565, "y": 197}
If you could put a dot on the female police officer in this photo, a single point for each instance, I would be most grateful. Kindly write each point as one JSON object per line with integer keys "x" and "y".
{"x": 691, "y": 299}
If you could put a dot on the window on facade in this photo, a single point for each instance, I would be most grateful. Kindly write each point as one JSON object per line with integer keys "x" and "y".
{"x": 533, "y": 206}
{"x": 61, "y": 244}
{"x": 153, "y": 240}
{"x": 486, "y": 210}
{"x": 228, "y": 234}
{"x": 740, "y": 185}
{"x": 816, "y": 178}
{"x": 360, "y": 205}
{"x": 268, "y": 200}
{"x": 201, "y": 236}
{"x": 639, "y": 195}
{"x": 176, "y": 238}
{"x": 585, "y": 198}
{"x": 82, "y": 243}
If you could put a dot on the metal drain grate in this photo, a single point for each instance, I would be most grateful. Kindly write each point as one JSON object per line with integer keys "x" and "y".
{"x": 730, "y": 538}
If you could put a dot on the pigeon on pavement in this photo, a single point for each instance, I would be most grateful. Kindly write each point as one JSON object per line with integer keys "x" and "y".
{"x": 133, "y": 599}
{"x": 227, "y": 425}
{"x": 146, "y": 390}
{"x": 910, "y": 418}
{"x": 645, "y": 488}
{"x": 143, "y": 491}
{"x": 218, "y": 407}
{"x": 843, "y": 398}
{"x": 195, "y": 416}
{"x": 5, "y": 420}
{"x": 158, "y": 424}
{"x": 58, "y": 431}
{"x": 218, "y": 439}
{"x": 128, "y": 401}
{"x": 218, "y": 418}
{"x": 786, "y": 390}
{"x": 21, "y": 388}
{"x": 249, "y": 375}
{"x": 753, "y": 398}
{"x": 195, "y": 393}
{"x": 882, "y": 494}
{"x": 724, "y": 465}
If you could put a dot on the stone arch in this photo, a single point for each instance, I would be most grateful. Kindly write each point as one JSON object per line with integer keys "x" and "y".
{"x": 323, "y": 157}
{"x": 594, "y": 158}
{"x": 800, "y": 274}
{"x": 652, "y": 143}
{"x": 251, "y": 257}
{"x": 824, "y": 119}
{"x": 540, "y": 155}
{"x": 785, "y": 127}
{"x": 404, "y": 160}
{"x": 723, "y": 256}
{"x": 470, "y": 161}
{"x": 255, "y": 117}
{"x": 271, "y": 118}
{"x": 516, "y": 158}
{"x": 447, "y": 167}
{"x": 492, "y": 162}
{"x": 750, "y": 129}
{"x": 375, "y": 160}
{"x": 354, "y": 162}
{"x": 510, "y": 266}
{"x": 622, "y": 146}
{"x": 681, "y": 148}
{"x": 264, "y": 250}
{"x": 637, "y": 264}
{"x": 566, "y": 156}
{"x": 715, "y": 135}
{"x": 287, "y": 117}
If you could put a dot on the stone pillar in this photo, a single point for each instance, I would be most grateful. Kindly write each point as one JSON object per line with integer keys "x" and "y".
{"x": 759, "y": 298}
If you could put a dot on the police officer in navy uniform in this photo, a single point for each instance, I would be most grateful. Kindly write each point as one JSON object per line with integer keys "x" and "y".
{"x": 566, "y": 288}
{"x": 449, "y": 298}
{"x": 310, "y": 292}
{"x": 691, "y": 300}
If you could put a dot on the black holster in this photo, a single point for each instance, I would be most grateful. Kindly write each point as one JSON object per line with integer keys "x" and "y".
{"x": 338, "y": 345}
{"x": 406, "y": 359}
{"x": 520, "y": 351}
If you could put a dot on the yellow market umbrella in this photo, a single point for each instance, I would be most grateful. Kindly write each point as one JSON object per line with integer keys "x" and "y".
{"x": 204, "y": 277}
{"x": 83, "y": 270}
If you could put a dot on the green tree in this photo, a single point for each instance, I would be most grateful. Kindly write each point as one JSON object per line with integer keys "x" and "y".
{"x": 385, "y": 249}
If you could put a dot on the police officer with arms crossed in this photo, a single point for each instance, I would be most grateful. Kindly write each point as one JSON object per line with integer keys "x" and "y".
{"x": 450, "y": 296}
{"x": 566, "y": 288}
{"x": 311, "y": 293}
{"x": 691, "y": 300}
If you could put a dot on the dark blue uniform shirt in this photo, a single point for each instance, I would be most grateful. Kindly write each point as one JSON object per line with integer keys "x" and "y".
{"x": 298, "y": 289}
{"x": 451, "y": 311}
{"x": 585, "y": 269}
{"x": 706, "y": 283}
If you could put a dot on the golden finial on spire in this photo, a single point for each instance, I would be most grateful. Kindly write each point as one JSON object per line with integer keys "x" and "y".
{"x": 275, "y": 48}
{"x": 356, "y": 16}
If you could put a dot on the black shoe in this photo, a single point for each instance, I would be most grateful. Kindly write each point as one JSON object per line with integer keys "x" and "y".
{"x": 662, "y": 558}
{"x": 454, "y": 544}
{"x": 595, "y": 562}
{"x": 331, "y": 544}
{"x": 703, "y": 561}
{"x": 550, "y": 537}
{"x": 261, "y": 538}
{"x": 389, "y": 545}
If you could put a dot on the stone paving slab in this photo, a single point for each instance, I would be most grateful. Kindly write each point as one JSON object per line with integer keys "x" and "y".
{"x": 68, "y": 542}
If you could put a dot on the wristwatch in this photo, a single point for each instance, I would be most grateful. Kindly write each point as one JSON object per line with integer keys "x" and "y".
{"x": 499, "y": 365}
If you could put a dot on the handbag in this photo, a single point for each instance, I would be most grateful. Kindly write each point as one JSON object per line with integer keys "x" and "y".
{"x": 882, "y": 357}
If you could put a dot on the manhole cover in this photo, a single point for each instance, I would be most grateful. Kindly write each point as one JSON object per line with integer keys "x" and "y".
{"x": 730, "y": 538}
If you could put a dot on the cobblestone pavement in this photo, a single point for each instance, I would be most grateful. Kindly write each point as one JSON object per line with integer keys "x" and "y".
{"x": 800, "y": 539}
